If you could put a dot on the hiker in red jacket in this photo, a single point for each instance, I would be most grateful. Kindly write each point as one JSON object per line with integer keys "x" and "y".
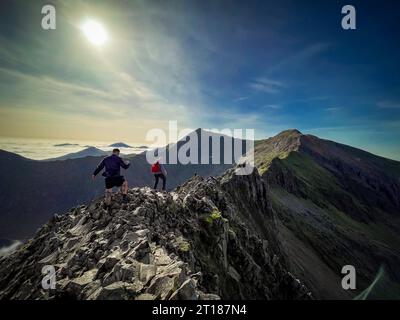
{"x": 159, "y": 171}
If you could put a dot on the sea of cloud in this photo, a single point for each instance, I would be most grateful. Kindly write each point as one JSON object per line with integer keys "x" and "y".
{"x": 8, "y": 249}
{"x": 40, "y": 149}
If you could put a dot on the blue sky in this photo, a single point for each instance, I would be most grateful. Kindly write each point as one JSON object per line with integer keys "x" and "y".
{"x": 267, "y": 65}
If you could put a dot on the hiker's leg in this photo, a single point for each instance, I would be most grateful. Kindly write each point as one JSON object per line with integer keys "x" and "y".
{"x": 124, "y": 187}
{"x": 108, "y": 196}
{"x": 155, "y": 181}
{"x": 164, "y": 181}
{"x": 124, "y": 190}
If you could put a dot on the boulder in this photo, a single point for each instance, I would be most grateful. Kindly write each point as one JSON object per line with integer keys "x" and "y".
{"x": 187, "y": 291}
{"x": 76, "y": 286}
{"x": 114, "y": 291}
{"x": 146, "y": 272}
{"x": 162, "y": 287}
{"x": 146, "y": 296}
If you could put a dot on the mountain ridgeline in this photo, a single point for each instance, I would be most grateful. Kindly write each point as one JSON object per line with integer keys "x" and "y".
{"x": 335, "y": 206}
{"x": 285, "y": 231}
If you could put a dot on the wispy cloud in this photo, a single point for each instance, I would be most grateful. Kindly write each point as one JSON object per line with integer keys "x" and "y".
{"x": 388, "y": 104}
{"x": 266, "y": 85}
{"x": 299, "y": 57}
{"x": 273, "y": 106}
{"x": 333, "y": 109}
{"x": 5, "y": 251}
{"x": 241, "y": 99}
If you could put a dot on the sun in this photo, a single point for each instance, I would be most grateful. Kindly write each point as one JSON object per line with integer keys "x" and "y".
{"x": 95, "y": 32}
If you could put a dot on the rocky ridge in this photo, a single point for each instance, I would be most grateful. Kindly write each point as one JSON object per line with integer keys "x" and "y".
{"x": 210, "y": 238}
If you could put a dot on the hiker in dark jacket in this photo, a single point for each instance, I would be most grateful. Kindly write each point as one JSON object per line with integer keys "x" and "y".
{"x": 159, "y": 171}
{"x": 112, "y": 174}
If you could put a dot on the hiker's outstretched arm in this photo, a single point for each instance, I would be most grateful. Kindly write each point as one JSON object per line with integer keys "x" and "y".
{"x": 99, "y": 168}
{"x": 125, "y": 165}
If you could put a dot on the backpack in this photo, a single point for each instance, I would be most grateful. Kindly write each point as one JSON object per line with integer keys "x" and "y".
{"x": 155, "y": 168}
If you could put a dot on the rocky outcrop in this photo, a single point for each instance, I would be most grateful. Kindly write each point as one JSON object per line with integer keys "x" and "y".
{"x": 278, "y": 174}
{"x": 210, "y": 238}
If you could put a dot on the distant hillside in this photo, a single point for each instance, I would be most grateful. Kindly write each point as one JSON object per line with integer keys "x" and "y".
{"x": 87, "y": 152}
{"x": 336, "y": 205}
{"x": 66, "y": 144}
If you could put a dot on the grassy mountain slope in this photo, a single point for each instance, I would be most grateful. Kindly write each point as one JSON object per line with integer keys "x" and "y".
{"x": 336, "y": 205}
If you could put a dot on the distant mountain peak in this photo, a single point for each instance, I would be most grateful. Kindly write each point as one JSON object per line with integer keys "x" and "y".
{"x": 278, "y": 146}
{"x": 88, "y": 148}
{"x": 290, "y": 132}
{"x": 4, "y": 154}
{"x": 89, "y": 151}
{"x": 120, "y": 145}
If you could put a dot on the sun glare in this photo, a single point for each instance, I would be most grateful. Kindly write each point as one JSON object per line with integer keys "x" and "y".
{"x": 95, "y": 32}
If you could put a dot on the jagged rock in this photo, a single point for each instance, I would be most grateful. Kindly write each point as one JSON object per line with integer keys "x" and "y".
{"x": 77, "y": 285}
{"x": 114, "y": 291}
{"x": 112, "y": 259}
{"x": 89, "y": 289}
{"x": 233, "y": 273}
{"x": 142, "y": 233}
{"x": 130, "y": 237}
{"x": 146, "y": 272}
{"x": 161, "y": 257}
{"x": 71, "y": 242}
{"x": 208, "y": 296}
{"x": 162, "y": 287}
{"x": 97, "y": 214}
{"x": 146, "y": 296}
{"x": 142, "y": 252}
{"x": 134, "y": 288}
{"x": 47, "y": 260}
{"x": 125, "y": 271}
{"x": 187, "y": 291}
